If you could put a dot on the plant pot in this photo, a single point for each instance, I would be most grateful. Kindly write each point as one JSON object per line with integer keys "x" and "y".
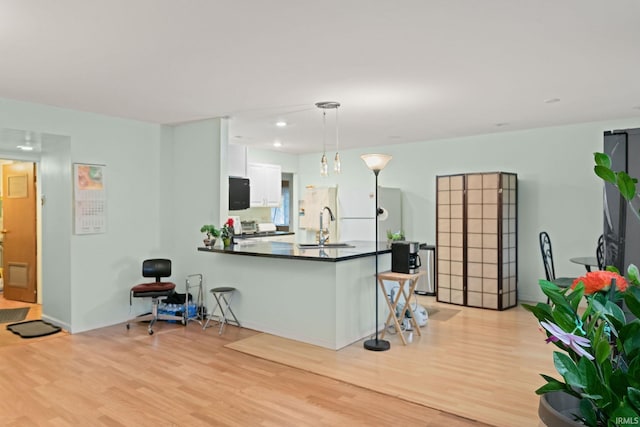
{"x": 210, "y": 242}
{"x": 226, "y": 242}
{"x": 557, "y": 409}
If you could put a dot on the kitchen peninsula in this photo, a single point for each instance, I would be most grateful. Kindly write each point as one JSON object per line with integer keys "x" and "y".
{"x": 321, "y": 296}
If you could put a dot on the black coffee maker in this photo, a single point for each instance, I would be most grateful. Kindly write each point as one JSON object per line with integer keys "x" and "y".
{"x": 404, "y": 257}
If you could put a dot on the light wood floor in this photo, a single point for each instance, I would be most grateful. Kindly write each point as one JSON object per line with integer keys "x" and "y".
{"x": 479, "y": 364}
{"x": 183, "y": 376}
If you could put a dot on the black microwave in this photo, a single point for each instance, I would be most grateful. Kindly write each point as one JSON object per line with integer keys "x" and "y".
{"x": 239, "y": 193}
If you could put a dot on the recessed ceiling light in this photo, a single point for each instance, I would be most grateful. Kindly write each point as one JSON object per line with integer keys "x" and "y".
{"x": 27, "y": 147}
{"x": 277, "y": 144}
{"x": 281, "y": 123}
{"x": 551, "y": 100}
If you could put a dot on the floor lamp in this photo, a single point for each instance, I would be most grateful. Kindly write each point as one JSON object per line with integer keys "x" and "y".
{"x": 376, "y": 162}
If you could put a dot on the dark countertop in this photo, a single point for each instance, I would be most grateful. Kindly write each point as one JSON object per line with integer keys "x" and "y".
{"x": 263, "y": 234}
{"x": 292, "y": 251}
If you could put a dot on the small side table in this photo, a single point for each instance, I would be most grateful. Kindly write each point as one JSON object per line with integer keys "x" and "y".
{"x": 401, "y": 278}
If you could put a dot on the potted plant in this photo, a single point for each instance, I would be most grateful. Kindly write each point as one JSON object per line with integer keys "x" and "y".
{"x": 227, "y": 232}
{"x": 212, "y": 232}
{"x": 599, "y": 346}
{"x": 394, "y": 237}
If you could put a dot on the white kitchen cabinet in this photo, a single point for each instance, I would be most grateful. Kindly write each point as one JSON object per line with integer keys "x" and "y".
{"x": 265, "y": 181}
{"x": 237, "y": 160}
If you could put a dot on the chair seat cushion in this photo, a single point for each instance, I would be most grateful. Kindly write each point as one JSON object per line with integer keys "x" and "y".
{"x": 153, "y": 289}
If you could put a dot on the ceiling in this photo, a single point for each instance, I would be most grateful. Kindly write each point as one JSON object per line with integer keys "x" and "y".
{"x": 403, "y": 71}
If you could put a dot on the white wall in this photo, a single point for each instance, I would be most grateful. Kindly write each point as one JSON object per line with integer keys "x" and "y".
{"x": 163, "y": 183}
{"x": 92, "y": 274}
{"x": 558, "y": 191}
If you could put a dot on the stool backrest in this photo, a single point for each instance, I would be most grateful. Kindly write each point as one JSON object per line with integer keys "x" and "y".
{"x": 157, "y": 268}
{"x": 547, "y": 256}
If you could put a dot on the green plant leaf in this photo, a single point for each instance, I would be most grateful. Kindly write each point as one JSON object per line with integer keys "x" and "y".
{"x": 551, "y": 386}
{"x": 589, "y": 376}
{"x": 634, "y": 372}
{"x": 626, "y": 185}
{"x": 614, "y": 311}
{"x": 568, "y": 369}
{"x": 564, "y": 318}
{"x": 618, "y": 384}
{"x": 541, "y": 311}
{"x": 634, "y": 397}
{"x": 575, "y": 297}
{"x": 602, "y": 159}
{"x": 626, "y": 412}
{"x": 630, "y": 337}
{"x": 603, "y": 350}
{"x": 605, "y": 173}
{"x": 588, "y": 412}
{"x": 633, "y": 274}
{"x": 633, "y": 304}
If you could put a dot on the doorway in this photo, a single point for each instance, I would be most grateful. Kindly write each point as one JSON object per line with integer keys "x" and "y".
{"x": 18, "y": 231}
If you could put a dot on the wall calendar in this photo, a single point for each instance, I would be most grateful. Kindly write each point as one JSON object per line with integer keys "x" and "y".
{"x": 89, "y": 198}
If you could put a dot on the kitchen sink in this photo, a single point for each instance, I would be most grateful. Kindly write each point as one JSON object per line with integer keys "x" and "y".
{"x": 325, "y": 246}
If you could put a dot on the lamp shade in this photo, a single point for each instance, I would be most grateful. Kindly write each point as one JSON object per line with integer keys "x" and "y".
{"x": 376, "y": 162}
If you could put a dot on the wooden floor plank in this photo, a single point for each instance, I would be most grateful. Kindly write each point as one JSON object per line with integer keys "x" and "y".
{"x": 181, "y": 376}
{"x": 478, "y": 364}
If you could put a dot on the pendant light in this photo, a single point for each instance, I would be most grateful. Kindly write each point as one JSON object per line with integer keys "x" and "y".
{"x": 324, "y": 166}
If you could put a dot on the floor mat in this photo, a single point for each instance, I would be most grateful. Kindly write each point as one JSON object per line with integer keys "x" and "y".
{"x": 33, "y": 328}
{"x": 13, "y": 314}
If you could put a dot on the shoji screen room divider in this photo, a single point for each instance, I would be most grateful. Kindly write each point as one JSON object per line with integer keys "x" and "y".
{"x": 476, "y": 239}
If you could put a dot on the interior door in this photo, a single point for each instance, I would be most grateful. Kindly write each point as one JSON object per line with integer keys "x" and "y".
{"x": 19, "y": 231}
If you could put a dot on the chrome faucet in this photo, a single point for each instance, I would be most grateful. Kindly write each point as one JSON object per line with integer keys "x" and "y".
{"x": 322, "y": 237}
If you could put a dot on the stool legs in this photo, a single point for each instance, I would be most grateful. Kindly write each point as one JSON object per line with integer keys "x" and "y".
{"x": 222, "y": 303}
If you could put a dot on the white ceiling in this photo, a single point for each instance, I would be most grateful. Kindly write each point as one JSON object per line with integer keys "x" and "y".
{"x": 403, "y": 70}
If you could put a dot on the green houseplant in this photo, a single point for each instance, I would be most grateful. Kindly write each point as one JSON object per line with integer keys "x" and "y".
{"x": 212, "y": 232}
{"x": 227, "y": 232}
{"x": 599, "y": 344}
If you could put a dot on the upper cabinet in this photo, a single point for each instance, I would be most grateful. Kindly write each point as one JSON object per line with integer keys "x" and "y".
{"x": 237, "y": 160}
{"x": 266, "y": 184}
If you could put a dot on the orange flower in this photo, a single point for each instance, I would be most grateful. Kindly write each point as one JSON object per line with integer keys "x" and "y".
{"x": 596, "y": 281}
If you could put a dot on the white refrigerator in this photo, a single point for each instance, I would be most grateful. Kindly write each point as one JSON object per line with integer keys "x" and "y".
{"x": 356, "y": 213}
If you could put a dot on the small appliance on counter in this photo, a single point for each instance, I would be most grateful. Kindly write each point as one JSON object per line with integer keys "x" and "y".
{"x": 405, "y": 257}
{"x": 266, "y": 227}
{"x": 249, "y": 227}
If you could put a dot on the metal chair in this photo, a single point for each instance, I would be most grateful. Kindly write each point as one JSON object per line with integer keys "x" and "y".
{"x": 547, "y": 260}
{"x": 600, "y": 253}
{"x": 222, "y": 301}
{"x": 157, "y": 268}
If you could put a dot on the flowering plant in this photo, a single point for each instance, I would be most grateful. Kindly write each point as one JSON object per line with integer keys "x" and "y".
{"x": 599, "y": 357}
{"x": 227, "y": 229}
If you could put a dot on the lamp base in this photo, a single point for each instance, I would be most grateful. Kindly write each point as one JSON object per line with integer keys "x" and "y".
{"x": 377, "y": 345}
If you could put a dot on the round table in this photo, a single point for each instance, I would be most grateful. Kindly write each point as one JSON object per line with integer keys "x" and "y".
{"x": 587, "y": 261}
